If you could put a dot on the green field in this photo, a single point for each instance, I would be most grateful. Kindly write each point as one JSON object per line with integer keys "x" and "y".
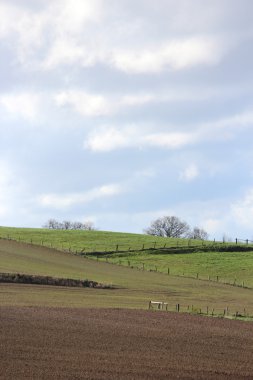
{"x": 134, "y": 286}
{"x": 182, "y": 257}
{"x": 98, "y": 241}
{"x": 230, "y": 267}
{"x": 82, "y": 241}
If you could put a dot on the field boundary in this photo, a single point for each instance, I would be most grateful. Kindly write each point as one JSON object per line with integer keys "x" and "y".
{"x": 170, "y": 246}
{"x": 208, "y": 311}
{"x": 48, "y": 280}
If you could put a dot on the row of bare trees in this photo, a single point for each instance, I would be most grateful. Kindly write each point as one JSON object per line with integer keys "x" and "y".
{"x": 54, "y": 224}
{"x": 172, "y": 226}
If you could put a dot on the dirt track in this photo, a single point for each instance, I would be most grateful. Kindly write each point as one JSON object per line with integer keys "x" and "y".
{"x": 44, "y": 343}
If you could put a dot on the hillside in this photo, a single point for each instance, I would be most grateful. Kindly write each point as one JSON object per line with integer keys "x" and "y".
{"x": 135, "y": 287}
{"x": 203, "y": 259}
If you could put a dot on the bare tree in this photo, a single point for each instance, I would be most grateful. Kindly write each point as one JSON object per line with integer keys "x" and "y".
{"x": 89, "y": 226}
{"x": 53, "y": 224}
{"x": 66, "y": 225}
{"x": 77, "y": 226}
{"x": 169, "y": 226}
{"x": 199, "y": 233}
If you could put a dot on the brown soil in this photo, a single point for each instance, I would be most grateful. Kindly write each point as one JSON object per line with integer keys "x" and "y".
{"x": 52, "y": 343}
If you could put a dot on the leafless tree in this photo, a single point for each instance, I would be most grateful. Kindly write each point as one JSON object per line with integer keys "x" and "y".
{"x": 77, "y": 226}
{"x": 199, "y": 233}
{"x": 53, "y": 224}
{"x": 89, "y": 226}
{"x": 169, "y": 226}
{"x": 67, "y": 225}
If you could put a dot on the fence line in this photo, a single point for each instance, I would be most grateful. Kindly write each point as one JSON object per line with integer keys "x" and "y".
{"x": 244, "y": 241}
{"x": 120, "y": 247}
{"x": 226, "y": 312}
{"x": 211, "y": 278}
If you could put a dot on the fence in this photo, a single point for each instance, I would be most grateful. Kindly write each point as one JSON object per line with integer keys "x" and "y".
{"x": 243, "y": 241}
{"x": 171, "y": 245}
{"x": 207, "y": 310}
{"x": 237, "y": 282}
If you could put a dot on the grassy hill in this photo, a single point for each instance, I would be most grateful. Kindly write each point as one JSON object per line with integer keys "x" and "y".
{"x": 135, "y": 287}
{"x": 90, "y": 241}
{"x": 203, "y": 259}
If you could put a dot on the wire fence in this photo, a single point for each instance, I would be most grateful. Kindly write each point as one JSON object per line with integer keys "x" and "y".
{"x": 234, "y": 311}
{"x": 173, "y": 245}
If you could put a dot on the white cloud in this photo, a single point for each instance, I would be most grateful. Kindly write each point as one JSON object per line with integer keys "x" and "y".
{"x": 214, "y": 226}
{"x": 176, "y": 54}
{"x": 224, "y": 129}
{"x": 13, "y": 191}
{"x": 71, "y": 18}
{"x": 104, "y": 104}
{"x": 138, "y": 100}
{"x": 67, "y": 200}
{"x": 5, "y": 185}
{"x": 84, "y": 103}
{"x": 190, "y": 173}
{"x": 24, "y": 104}
{"x": 67, "y": 51}
{"x": 230, "y": 125}
{"x": 242, "y": 210}
{"x": 107, "y": 139}
{"x": 91, "y": 105}
{"x": 6, "y": 14}
{"x": 54, "y": 30}
{"x": 171, "y": 140}
{"x": 83, "y": 33}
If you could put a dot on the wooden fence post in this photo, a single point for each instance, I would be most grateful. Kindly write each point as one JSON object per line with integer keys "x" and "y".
{"x": 168, "y": 270}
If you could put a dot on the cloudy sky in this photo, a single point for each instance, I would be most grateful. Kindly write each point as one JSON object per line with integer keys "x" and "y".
{"x": 122, "y": 111}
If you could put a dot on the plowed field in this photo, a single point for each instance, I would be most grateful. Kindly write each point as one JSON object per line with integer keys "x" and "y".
{"x": 59, "y": 343}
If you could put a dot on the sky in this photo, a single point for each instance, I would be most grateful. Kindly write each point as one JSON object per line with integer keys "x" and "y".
{"x": 123, "y": 111}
